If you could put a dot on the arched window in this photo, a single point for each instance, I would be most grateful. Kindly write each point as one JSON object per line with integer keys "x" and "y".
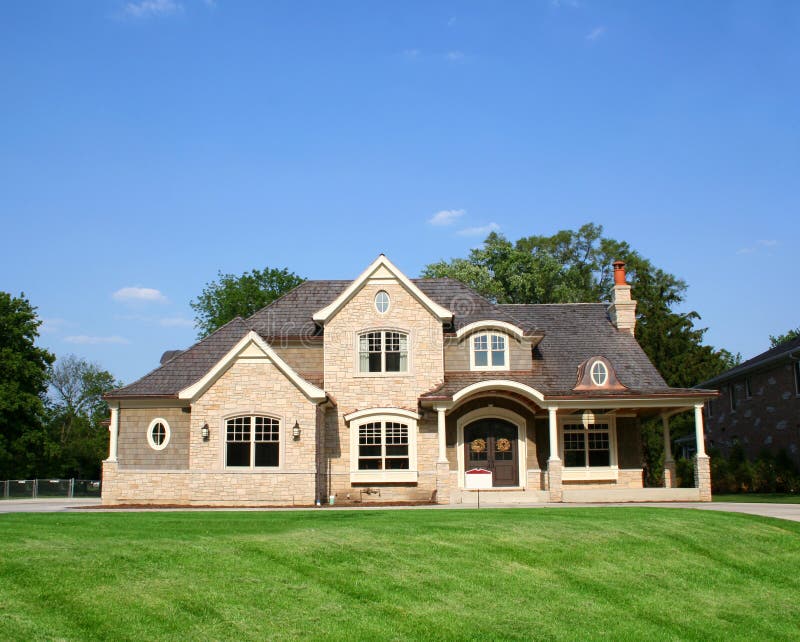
{"x": 158, "y": 434}
{"x": 383, "y": 445}
{"x": 383, "y": 351}
{"x": 252, "y": 441}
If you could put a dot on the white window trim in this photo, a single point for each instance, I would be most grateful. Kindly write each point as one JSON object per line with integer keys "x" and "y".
{"x": 223, "y": 432}
{"x": 383, "y": 476}
{"x": 506, "y": 351}
{"x": 357, "y": 362}
{"x": 494, "y": 412}
{"x": 594, "y": 364}
{"x": 388, "y": 302}
{"x": 167, "y": 436}
{"x": 590, "y": 473}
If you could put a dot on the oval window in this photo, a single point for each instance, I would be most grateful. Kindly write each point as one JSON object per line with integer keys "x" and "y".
{"x": 158, "y": 434}
{"x": 599, "y": 373}
{"x": 382, "y": 301}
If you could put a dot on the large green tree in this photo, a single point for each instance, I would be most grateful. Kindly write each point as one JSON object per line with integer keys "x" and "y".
{"x": 576, "y": 266}
{"x": 231, "y": 296}
{"x": 76, "y": 437}
{"x": 23, "y": 383}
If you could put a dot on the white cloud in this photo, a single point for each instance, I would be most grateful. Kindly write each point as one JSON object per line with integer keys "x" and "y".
{"x": 84, "y": 339}
{"x": 176, "y": 322}
{"x": 596, "y": 33}
{"x": 137, "y": 294}
{"x": 760, "y": 245}
{"x": 446, "y": 217}
{"x": 411, "y": 54}
{"x": 152, "y": 8}
{"x": 454, "y": 56}
{"x": 479, "y": 231}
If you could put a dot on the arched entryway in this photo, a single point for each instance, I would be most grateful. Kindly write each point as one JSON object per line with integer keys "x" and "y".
{"x": 492, "y": 443}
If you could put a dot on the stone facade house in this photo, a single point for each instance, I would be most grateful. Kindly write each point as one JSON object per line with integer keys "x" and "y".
{"x": 759, "y": 404}
{"x": 389, "y": 389}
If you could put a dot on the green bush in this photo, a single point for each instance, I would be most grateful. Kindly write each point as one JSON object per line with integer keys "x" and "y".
{"x": 767, "y": 474}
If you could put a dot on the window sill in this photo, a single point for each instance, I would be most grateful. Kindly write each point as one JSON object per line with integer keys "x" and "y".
{"x": 382, "y": 476}
{"x": 600, "y": 473}
{"x": 406, "y": 373}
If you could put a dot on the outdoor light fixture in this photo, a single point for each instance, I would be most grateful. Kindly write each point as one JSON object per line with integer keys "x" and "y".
{"x": 296, "y": 431}
{"x": 204, "y": 432}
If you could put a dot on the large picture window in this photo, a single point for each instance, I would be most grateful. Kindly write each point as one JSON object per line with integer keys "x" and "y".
{"x": 383, "y": 445}
{"x": 383, "y": 351}
{"x": 252, "y": 441}
{"x": 489, "y": 351}
{"x": 587, "y": 445}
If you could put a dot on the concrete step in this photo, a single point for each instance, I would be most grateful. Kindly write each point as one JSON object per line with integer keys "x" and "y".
{"x": 499, "y": 497}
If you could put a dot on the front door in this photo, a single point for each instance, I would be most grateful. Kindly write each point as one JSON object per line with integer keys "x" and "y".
{"x": 492, "y": 444}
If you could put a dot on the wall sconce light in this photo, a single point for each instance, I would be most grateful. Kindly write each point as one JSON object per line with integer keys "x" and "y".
{"x": 204, "y": 432}
{"x": 296, "y": 431}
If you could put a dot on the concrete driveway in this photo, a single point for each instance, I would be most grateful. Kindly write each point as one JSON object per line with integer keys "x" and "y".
{"x": 45, "y": 505}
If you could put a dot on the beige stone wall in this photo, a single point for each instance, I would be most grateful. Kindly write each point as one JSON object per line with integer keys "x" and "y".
{"x": 456, "y": 354}
{"x": 133, "y": 449}
{"x": 355, "y": 391}
{"x": 305, "y": 358}
{"x": 627, "y": 478}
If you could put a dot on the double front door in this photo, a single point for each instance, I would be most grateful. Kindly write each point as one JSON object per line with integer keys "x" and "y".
{"x": 492, "y": 444}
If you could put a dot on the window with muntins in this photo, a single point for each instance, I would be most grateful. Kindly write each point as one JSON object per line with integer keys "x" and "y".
{"x": 599, "y": 373}
{"x": 252, "y": 441}
{"x": 158, "y": 434}
{"x": 587, "y": 445}
{"x": 383, "y": 445}
{"x": 383, "y": 351}
{"x": 489, "y": 352}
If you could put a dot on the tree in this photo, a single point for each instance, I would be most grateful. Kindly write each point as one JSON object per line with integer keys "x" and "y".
{"x": 23, "y": 382}
{"x": 77, "y": 438}
{"x": 575, "y": 266}
{"x": 231, "y": 296}
{"x": 783, "y": 338}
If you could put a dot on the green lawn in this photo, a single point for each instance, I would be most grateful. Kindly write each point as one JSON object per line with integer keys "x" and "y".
{"x": 566, "y": 573}
{"x": 760, "y": 498}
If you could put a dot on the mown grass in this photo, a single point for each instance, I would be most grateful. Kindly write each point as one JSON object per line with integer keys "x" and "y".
{"x": 612, "y": 573}
{"x": 760, "y": 498}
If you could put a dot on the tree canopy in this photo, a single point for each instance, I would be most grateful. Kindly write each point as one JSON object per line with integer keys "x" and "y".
{"x": 783, "y": 338}
{"x": 576, "y": 266}
{"x": 231, "y": 296}
{"x": 23, "y": 381}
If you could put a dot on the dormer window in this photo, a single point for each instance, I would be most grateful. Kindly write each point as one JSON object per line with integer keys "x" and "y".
{"x": 383, "y": 351}
{"x": 489, "y": 351}
{"x": 599, "y": 373}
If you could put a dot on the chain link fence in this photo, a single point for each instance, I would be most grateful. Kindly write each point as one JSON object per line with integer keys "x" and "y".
{"x": 48, "y": 488}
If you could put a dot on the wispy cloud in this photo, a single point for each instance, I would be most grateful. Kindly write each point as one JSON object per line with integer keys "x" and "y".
{"x": 451, "y": 21}
{"x": 152, "y": 8}
{"x": 176, "y": 322}
{"x": 596, "y": 34}
{"x": 761, "y": 244}
{"x": 411, "y": 54}
{"x": 570, "y": 4}
{"x": 84, "y": 339}
{"x": 52, "y": 325}
{"x": 479, "y": 230}
{"x": 454, "y": 56}
{"x": 137, "y": 294}
{"x": 446, "y": 217}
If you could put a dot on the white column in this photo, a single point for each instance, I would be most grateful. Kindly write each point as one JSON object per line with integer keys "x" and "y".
{"x": 554, "y": 434}
{"x": 698, "y": 430}
{"x": 113, "y": 429}
{"x": 667, "y": 441}
{"x": 442, "y": 433}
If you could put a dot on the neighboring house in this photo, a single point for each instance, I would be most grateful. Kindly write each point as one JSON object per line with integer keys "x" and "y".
{"x": 387, "y": 389}
{"x": 759, "y": 404}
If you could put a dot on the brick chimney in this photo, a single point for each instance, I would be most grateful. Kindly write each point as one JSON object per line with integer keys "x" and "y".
{"x": 622, "y": 309}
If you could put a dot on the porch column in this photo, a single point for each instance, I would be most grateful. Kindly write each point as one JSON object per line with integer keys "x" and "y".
{"x": 670, "y": 480}
{"x": 113, "y": 430}
{"x": 440, "y": 410}
{"x": 702, "y": 464}
{"x": 554, "y": 465}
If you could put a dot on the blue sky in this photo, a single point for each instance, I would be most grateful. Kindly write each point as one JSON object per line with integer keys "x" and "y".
{"x": 147, "y": 144}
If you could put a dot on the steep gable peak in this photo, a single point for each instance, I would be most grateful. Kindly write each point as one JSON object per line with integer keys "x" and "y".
{"x": 382, "y": 270}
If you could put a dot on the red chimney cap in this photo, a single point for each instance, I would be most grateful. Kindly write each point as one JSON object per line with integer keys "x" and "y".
{"x": 619, "y": 273}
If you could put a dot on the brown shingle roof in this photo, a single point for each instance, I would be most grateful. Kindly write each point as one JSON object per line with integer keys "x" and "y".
{"x": 780, "y": 351}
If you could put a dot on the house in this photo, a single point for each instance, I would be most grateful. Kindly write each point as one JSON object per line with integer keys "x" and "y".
{"x": 388, "y": 389}
{"x": 759, "y": 404}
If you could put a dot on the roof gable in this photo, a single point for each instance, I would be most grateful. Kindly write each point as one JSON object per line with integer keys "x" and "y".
{"x": 381, "y": 268}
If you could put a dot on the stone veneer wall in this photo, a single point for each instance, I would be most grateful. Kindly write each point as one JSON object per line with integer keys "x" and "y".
{"x": 249, "y": 386}
{"x": 354, "y": 391}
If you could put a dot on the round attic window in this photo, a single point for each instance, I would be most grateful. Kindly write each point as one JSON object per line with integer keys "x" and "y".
{"x": 599, "y": 373}
{"x": 382, "y": 301}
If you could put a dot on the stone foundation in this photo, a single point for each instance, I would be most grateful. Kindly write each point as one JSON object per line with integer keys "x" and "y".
{"x": 702, "y": 477}
{"x": 554, "y": 470}
{"x": 670, "y": 478}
